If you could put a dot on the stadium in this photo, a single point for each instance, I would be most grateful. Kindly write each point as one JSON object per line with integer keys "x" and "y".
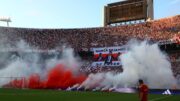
{"x": 99, "y": 64}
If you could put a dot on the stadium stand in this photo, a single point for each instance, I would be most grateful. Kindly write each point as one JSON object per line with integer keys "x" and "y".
{"x": 84, "y": 39}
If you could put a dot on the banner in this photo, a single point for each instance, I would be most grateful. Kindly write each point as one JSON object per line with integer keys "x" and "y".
{"x": 106, "y": 50}
{"x": 102, "y": 63}
{"x": 108, "y": 56}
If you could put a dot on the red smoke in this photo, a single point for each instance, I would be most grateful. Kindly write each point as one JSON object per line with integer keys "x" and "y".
{"x": 57, "y": 77}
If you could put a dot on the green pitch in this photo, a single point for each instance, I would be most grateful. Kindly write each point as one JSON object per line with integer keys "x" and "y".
{"x": 54, "y": 95}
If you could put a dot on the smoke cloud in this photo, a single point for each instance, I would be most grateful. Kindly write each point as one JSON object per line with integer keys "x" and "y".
{"x": 141, "y": 61}
{"x": 28, "y": 68}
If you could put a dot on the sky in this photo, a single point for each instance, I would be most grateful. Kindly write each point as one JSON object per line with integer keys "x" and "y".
{"x": 69, "y": 13}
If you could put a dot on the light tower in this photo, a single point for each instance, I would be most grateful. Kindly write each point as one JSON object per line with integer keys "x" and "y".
{"x": 6, "y": 19}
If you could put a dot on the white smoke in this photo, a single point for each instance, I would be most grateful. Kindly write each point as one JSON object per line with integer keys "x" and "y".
{"x": 28, "y": 61}
{"x": 16, "y": 67}
{"x": 141, "y": 61}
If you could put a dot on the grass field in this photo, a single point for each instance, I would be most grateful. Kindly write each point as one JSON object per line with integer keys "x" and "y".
{"x": 54, "y": 95}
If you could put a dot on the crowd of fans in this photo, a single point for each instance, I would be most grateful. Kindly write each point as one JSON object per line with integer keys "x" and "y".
{"x": 86, "y": 38}
{"x": 98, "y": 69}
{"x": 175, "y": 63}
{"x": 174, "y": 58}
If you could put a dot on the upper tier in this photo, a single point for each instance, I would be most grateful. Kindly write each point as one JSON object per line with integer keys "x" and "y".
{"x": 86, "y": 38}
